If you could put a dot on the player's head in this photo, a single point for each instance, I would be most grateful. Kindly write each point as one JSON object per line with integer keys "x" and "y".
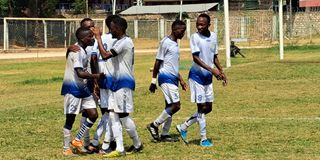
{"x": 118, "y": 27}
{"x": 109, "y": 20}
{"x": 87, "y": 23}
{"x": 203, "y": 23}
{"x": 85, "y": 36}
{"x": 178, "y": 28}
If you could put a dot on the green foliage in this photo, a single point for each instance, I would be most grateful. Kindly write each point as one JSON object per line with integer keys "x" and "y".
{"x": 79, "y": 6}
{"x": 184, "y": 16}
{"x": 4, "y": 8}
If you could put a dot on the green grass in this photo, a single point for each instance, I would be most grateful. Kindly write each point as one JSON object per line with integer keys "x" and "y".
{"x": 269, "y": 110}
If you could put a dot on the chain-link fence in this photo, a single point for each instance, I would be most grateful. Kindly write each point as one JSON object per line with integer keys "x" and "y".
{"x": 247, "y": 29}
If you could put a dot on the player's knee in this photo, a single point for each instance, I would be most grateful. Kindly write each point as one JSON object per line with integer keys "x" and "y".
{"x": 175, "y": 107}
{"x": 122, "y": 115}
{"x": 207, "y": 110}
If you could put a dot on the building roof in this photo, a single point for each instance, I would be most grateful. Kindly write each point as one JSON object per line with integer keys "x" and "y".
{"x": 160, "y": 9}
{"x": 309, "y": 3}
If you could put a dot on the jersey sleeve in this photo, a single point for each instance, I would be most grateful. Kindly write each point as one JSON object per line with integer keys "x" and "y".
{"x": 118, "y": 47}
{"x": 161, "y": 51}
{"x": 76, "y": 58}
{"x": 193, "y": 44}
{"x": 216, "y": 47}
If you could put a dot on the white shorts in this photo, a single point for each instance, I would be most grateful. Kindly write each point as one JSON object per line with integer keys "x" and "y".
{"x": 170, "y": 92}
{"x": 121, "y": 101}
{"x": 200, "y": 93}
{"x": 104, "y": 97}
{"x": 74, "y": 105}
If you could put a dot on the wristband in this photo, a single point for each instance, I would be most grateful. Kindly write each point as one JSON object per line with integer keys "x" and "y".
{"x": 154, "y": 80}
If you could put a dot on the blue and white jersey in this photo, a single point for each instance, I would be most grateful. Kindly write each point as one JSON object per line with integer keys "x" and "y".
{"x": 168, "y": 53}
{"x": 72, "y": 84}
{"x": 105, "y": 66}
{"x": 205, "y": 48}
{"x": 122, "y": 63}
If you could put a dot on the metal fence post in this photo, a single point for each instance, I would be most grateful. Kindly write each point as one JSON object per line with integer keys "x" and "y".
{"x": 188, "y": 28}
{"x": 4, "y": 34}
{"x": 45, "y": 33}
{"x": 162, "y": 28}
{"x": 136, "y": 29}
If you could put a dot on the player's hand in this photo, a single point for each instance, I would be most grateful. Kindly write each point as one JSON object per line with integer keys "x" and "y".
{"x": 96, "y": 31}
{"x": 184, "y": 85}
{"x": 217, "y": 74}
{"x": 224, "y": 79}
{"x": 152, "y": 87}
{"x": 74, "y": 48}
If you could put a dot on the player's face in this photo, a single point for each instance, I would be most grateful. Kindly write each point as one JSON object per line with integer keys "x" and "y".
{"x": 115, "y": 30}
{"x": 179, "y": 31}
{"x": 89, "y": 39}
{"x": 202, "y": 25}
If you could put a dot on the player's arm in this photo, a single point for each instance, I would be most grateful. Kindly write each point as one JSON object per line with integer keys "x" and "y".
{"x": 218, "y": 65}
{"x": 94, "y": 70}
{"x": 153, "y": 85}
{"x": 103, "y": 52}
{"x": 198, "y": 61}
{"x": 86, "y": 75}
{"x": 182, "y": 83}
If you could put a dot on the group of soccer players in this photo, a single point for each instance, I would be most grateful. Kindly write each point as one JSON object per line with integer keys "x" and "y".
{"x": 99, "y": 70}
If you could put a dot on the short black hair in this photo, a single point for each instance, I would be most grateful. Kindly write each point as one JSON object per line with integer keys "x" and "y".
{"x": 205, "y": 16}
{"x": 84, "y": 20}
{"x": 109, "y": 19}
{"x": 176, "y": 23}
{"x": 81, "y": 32}
{"x": 121, "y": 23}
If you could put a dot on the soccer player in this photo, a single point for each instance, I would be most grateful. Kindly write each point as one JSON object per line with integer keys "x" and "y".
{"x": 105, "y": 67}
{"x": 92, "y": 84}
{"x": 204, "y": 48}
{"x": 167, "y": 66}
{"x": 77, "y": 96}
{"x": 121, "y": 99}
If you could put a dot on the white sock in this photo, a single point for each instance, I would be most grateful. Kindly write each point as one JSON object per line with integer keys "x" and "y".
{"x": 100, "y": 129}
{"x": 108, "y": 136}
{"x": 66, "y": 138}
{"x": 202, "y": 125}
{"x": 163, "y": 116}
{"x": 86, "y": 135}
{"x": 117, "y": 130}
{"x": 189, "y": 122}
{"x": 166, "y": 126}
{"x": 129, "y": 125}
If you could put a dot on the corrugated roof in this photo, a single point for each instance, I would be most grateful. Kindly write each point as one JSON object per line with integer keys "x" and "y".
{"x": 160, "y": 9}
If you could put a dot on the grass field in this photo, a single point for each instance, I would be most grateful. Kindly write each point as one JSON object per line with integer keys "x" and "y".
{"x": 270, "y": 109}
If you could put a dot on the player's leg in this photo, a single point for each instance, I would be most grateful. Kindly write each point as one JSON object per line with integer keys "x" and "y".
{"x": 172, "y": 101}
{"x": 70, "y": 118}
{"x": 89, "y": 106}
{"x": 71, "y": 109}
{"x": 130, "y": 127}
{"x": 197, "y": 95}
{"x": 117, "y": 133}
{"x": 204, "y": 109}
{"x": 116, "y": 99}
{"x": 173, "y": 108}
{"x": 86, "y": 135}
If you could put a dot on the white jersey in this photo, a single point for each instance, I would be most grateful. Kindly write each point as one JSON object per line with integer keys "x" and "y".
{"x": 73, "y": 84}
{"x": 168, "y": 53}
{"x": 205, "y": 48}
{"x": 122, "y": 63}
{"x": 105, "y": 66}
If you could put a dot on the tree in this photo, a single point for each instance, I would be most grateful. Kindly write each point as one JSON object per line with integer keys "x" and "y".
{"x": 79, "y": 6}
